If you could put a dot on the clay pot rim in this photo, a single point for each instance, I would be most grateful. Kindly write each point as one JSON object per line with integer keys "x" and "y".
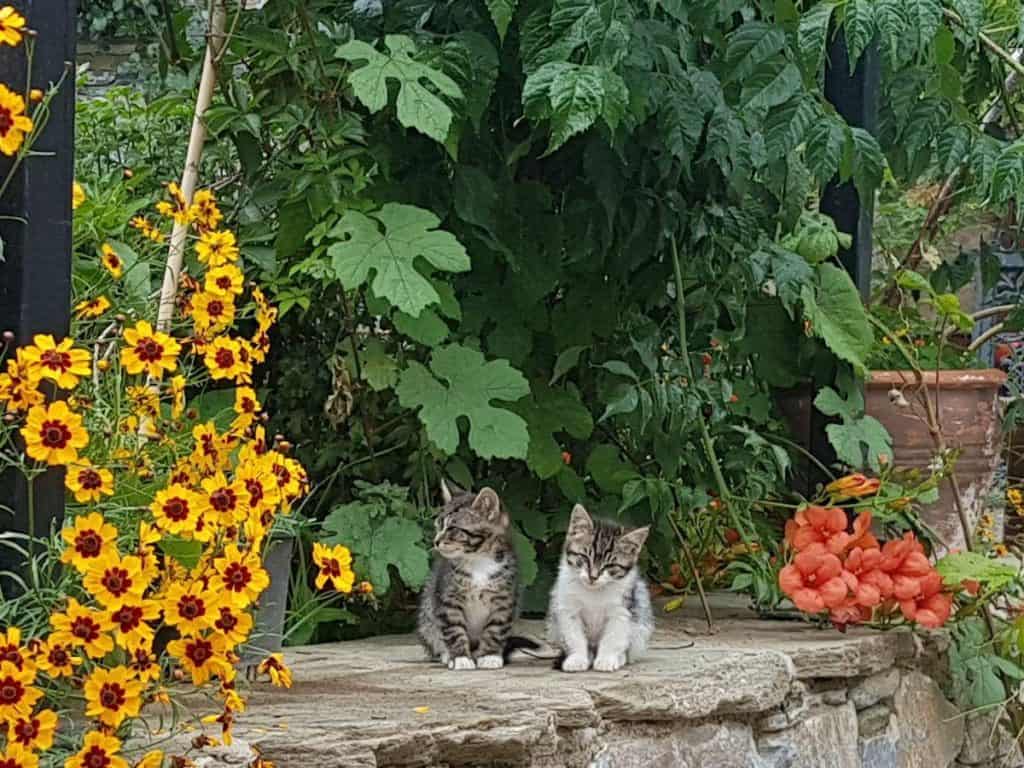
{"x": 970, "y": 378}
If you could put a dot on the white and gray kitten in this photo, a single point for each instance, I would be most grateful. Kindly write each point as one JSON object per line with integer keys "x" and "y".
{"x": 471, "y": 599}
{"x": 600, "y": 613}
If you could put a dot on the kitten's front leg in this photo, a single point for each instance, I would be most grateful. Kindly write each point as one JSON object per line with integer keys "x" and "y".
{"x": 574, "y": 639}
{"x": 611, "y": 651}
{"x": 456, "y": 639}
{"x": 491, "y": 648}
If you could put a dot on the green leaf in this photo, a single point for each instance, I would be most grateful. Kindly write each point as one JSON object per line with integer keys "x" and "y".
{"x": 971, "y": 566}
{"x": 471, "y": 383}
{"x": 526, "y": 555}
{"x": 548, "y": 412}
{"x": 868, "y": 163}
{"x": 418, "y": 107}
{"x": 750, "y": 46}
{"x": 837, "y": 316}
{"x": 1015, "y": 320}
{"x": 136, "y": 275}
{"x": 428, "y": 329}
{"x": 352, "y": 526}
{"x": 824, "y": 148}
{"x": 607, "y": 470}
{"x": 812, "y": 36}
{"x": 186, "y": 551}
{"x": 787, "y": 124}
{"x": 857, "y": 433}
{"x": 925, "y": 17}
{"x": 398, "y": 542}
{"x": 573, "y": 97}
{"x": 567, "y": 360}
{"x": 387, "y": 243}
{"x": 501, "y": 14}
{"x": 892, "y": 22}
{"x": 771, "y": 84}
{"x": 380, "y": 370}
{"x": 914, "y": 281}
{"x": 859, "y": 26}
{"x": 972, "y": 12}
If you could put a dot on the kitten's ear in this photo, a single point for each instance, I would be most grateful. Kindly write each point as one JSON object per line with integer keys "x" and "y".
{"x": 580, "y": 522}
{"x": 633, "y": 541}
{"x": 449, "y": 490}
{"x": 487, "y": 505}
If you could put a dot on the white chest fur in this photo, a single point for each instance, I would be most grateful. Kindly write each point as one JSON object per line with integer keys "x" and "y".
{"x": 593, "y": 607}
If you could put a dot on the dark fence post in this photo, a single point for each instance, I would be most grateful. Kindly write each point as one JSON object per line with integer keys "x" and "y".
{"x": 35, "y": 224}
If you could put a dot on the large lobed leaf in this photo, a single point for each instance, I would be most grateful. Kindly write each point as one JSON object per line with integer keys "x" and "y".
{"x": 573, "y": 97}
{"x": 837, "y": 316}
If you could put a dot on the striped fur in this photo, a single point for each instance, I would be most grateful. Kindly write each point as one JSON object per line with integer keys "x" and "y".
{"x": 600, "y": 612}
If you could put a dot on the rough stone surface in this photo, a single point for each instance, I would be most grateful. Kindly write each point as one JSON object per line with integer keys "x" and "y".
{"x": 882, "y": 749}
{"x": 872, "y": 720}
{"x": 986, "y": 740}
{"x": 826, "y": 737}
{"x": 931, "y": 729}
{"x": 834, "y": 696}
{"x": 873, "y": 689}
{"x": 723, "y": 745}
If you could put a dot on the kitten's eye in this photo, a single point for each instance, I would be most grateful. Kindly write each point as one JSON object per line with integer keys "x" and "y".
{"x": 575, "y": 560}
{"x": 615, "y": 571}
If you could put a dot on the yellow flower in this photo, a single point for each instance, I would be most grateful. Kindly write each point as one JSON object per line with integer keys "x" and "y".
{"x": 154, "y": 759}
{"x": 240, "y": 577}
{"x": 274, "y": 666}
{"x": 77, "y": 195}
{"x": 111, "y": 695}
{"x": 178, "y": 384}
{"x": 32, "y": 732}
{"x": 57, "y": 659}
{"x": 215, "y": 249}
{"x": 177, "y": 208}
{"x": 260, "y": 483}
{"x": 145, "y": 401}
{"x": 113, "y": 580}
{"x": 111, "y": 261}
{"x": 53, "y": 434}
{"x": 233, "y": 702}
{"x": 142, "y": 662}
{"x": 17, "y": 756}
{"x": 88, "y": 539}
{"x": 131, "y": 622}
{"x": 235, "y": 624}
{"x": 290, "y": 476}
{"x": 17, "y": 696}
{"x": 175, "y": 509}
{"x": 98, "y": 750}
{"x": 212, "y": 450}
{"x": 204, "y": 211}
{"x": 147, "y": 350}
{"x": 17, "y": 387}
{"x": 191, "y": 607}
{"x": 84, "y": 628}
{"x": 223, "y": 358}
{"x": 60, "y": 363}
{"x": 147, "y": 230}
{"x": 88, "y": 483}
{"x": 12, "y": 651}
{"x": 335, "y": 565}
{"x": 203, "y": 657}
{"x": 211, "y": 312}
{"x": 92, "y": 308}
{"x": 226, "y": 500}
{"x": 246, "y": 406}
{"x": 12, "y": 24}
{"x": 226, "y": 280}
{"x": 14, "y": 123}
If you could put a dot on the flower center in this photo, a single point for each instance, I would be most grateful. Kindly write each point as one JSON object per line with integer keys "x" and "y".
{"x": 128, "y": 617}
{"x": 255, "y": 489}
{"x": 215, "y": 308}
{"x": 149, "y": 350}
{"x": 237, "y": 576}
{"x": 26, "y": 730}
{"x": 6, "y": 121}
{"x": 88, "y": 544}
{"x": 59, "y": 657}
{"x": 223, "y": 500}
{"x": 176, "y": 510}
{"x": 96, "y": 757}
{"x": 227, "y": 621}
{"x": 112, "y": 696}
{"x": 85, "y": 628}
{"x": 12, "y": 654}
{"x": 224, "y": 358}
{"x": 199, "y": 652}
{"x": 57, "y": 361}
{"x": 116, "y": 581}
{"x": 224, "y": 283}
{"x": 55, "y": 434}
{"x": 90, "y": 479}
{"x": 333, "y": 567}
{"x": 10, "y": 691}
{"x": 191, "y": 607}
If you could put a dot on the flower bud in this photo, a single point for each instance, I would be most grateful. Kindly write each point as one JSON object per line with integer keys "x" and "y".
{"x": 35, "y": 95}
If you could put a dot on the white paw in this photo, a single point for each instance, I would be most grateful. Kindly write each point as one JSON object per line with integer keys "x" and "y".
{"x": 461, "y": 662}
{"x": 576, "y": 662}
{"x": 491, "y": 661}
{"x": 610, "y": 662}
{"x": 445, "y": 657}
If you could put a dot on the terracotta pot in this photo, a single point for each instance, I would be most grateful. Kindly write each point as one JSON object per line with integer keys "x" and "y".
{"x": 967, "y": 403}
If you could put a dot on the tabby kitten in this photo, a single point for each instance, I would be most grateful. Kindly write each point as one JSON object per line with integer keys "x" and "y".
{"x": 600, "y": 613}
{"x": 470, "y": 601}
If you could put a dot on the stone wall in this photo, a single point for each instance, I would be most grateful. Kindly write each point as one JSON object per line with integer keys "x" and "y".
{"x": 110, "y": 63}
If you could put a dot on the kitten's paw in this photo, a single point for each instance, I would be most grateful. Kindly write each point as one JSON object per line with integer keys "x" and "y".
{"x": 576, "y": 662}
{"x": 610, "y": 662}
{"x": 445, "y": 657}
{"x": 461, "y": 662}
{"x": 491, "y": 661}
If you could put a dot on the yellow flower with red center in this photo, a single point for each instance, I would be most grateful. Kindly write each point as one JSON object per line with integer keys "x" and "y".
{"x": 235, "y": 624}
{"x": 224, "y": 360}
{"x": 233, "y": 702}
{"x": 57, "y": 659}
{"x": 12, "y": 651}
{"x": 177, "y": 208}
{"x": 98, "y": 751}
{"x": 246, "y": 406}
{"x": 17, "y": 387}
{"x": 147, "y": 230}
{"x": 226, "y": 280}
{"x": 145, "y": 401}
{"x": 224, "y": 499}
{"x": 77, "y": 195}
{"x": 191, "y": 607}
{"x": 275, "y": 667}
{"x": 204, "y": 211}
{"x": 84, "y": 628}
{"x": 290, "y": 476}
{"x": 53, "y": 434}
{"x": 88, "y": 538}
{"x": 335, "y": 565}
{"x": 240, "y": 576}
{"x": 60, "y": 363}
{"x": 12, "y": 26}
{"x": 175, "y": 509}
{"x": 178, "y": 385}
{"x": 142, "y": 662}
{"x": 113, "y": 263}
{"x": 147, "y": 350}
{"x": 203, "y": 657}
{"x": 113, "y": 579}
{"x": 33, "y": 732}
{"x": 212, "y": 450}
{"x": 112, "y": 695}
{"x": 211, "y": 312}
{"x": 17, "y": 696}
{"x": 92, "y": 308}
{"x": 87, "y": 482}
{"x": 260, "y": 483}
{"x": 17, "y": 756}
{"x": 215, "y": 249}
{"x": 131, "y": 622}
{"x": 14, "y": 123}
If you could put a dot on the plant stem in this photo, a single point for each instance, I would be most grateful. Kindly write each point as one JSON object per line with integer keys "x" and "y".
{"x": 696, "y": 574}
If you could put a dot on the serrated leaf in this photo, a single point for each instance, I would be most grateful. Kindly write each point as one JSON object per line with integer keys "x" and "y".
{"x": 859, "y": 28}
{"x": 387, "y": 244}
{"x": 502, "y": 12}
{"x": 473, "y": 62}
{"x": 398, "y": 542}
{"x": 791, "y": 273}
{"x": 953, "y": 147}
{"x": 750, "y": 46}
{"x": 351, "y": 525}
{"x": 787, "y": 124}
{"x": 924, "y": 17}
{"x": 824, "y": 148}
{"x": 970, "y": 566}
{"x": 470, "y": 385}
{"x": 837, "y": 316}
{"x": 549, "y": 412}
{"x": 891, "y": 20}
{"x": 812, "y": 36}
{"x": 868, "y": 163}
{"x": 859, "y": 440}
{"x": 417, "y": 107}
{"x": 771, "y": 84}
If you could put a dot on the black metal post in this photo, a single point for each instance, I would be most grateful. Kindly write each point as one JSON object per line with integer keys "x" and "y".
{"x": 35, "y": 225}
